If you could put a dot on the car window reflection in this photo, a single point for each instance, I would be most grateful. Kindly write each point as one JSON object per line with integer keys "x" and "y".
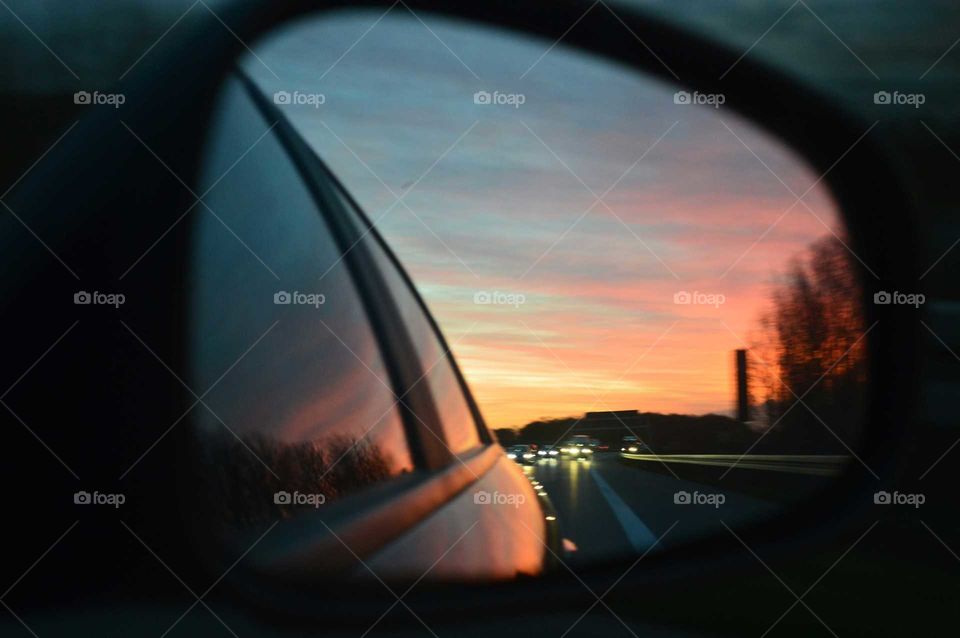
{"x": 296, "y": 397}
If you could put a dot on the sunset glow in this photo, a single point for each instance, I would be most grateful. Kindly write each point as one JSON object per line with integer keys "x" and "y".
{"x": 584, "y": 211}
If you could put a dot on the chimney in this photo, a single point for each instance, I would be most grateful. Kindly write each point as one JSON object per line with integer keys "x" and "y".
{"x": 743, "y": 402}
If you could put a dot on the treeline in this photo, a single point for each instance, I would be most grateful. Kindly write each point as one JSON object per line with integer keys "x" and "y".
{"x": 241, "y": 477}
{"x": 664, "y": 433}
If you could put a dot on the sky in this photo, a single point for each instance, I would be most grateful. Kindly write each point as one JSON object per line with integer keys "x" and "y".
{"x": 583, "y": 205}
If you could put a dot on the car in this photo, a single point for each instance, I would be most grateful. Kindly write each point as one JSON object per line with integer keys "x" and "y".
{"x": 316, "y": 352}
{"x": 579, "y": 447}
{"x": 549, "y": 451}
{"x": 524, "y": 454}
{"x": 633, "y": 445}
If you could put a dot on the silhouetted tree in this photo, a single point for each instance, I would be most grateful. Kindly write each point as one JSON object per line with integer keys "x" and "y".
{"x": 810, "y": 344}
{"x": 242, "y": 476}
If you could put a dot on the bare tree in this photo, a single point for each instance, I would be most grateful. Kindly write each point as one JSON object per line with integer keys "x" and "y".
{"x": 809, "y": 344}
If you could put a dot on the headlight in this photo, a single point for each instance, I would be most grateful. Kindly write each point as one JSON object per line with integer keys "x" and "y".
{"x": 631, "y": 449}
{"x": 574, "y": 450}
{"x": 529, "y": 455}
{"x": 587, "y": 450}
{"x": 553, "y": 452}
{"x": 541, "y": 453}
{"x": 511, "y": 455}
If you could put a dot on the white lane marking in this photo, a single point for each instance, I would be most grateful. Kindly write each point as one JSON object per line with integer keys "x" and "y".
{"x": 639, "y": 535}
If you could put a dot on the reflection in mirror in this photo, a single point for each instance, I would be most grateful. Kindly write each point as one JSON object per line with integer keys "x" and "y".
{"x": 242, "y": 495}
{"x": 298, "y": 409}
{"x": 653, "y": 301}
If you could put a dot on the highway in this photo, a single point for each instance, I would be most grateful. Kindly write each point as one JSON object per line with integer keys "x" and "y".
{"x": 610, "y": 507}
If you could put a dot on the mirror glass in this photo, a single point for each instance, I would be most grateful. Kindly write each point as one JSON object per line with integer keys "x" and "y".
{"x": 653, "y": 302}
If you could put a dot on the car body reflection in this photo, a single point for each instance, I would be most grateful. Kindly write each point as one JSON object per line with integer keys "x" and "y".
{"x": 256, "y": 480}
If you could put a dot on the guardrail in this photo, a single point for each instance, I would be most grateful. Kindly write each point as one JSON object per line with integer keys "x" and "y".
{"x": 811, "y": 464}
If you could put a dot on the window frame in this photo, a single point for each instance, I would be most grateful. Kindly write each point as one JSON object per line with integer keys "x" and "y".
{"x": 376, "y": 295}
{"x": 303, "y": 548}
{"x": 416, "y": 406}
{"x": 356, "y": 214}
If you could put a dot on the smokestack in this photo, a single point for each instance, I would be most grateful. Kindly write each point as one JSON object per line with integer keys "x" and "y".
{"x": 743, "y": 403}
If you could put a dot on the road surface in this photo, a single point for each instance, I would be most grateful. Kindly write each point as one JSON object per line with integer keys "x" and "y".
{"x": 608, "y": 507}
